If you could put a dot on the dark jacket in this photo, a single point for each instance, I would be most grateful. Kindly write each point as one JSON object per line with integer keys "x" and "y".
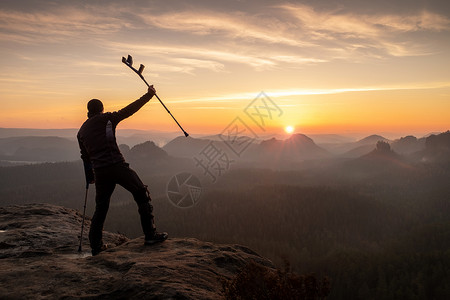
{"x": 97, "y": 136}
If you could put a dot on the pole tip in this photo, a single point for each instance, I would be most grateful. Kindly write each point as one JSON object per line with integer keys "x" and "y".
{"x": 186, "y": 134}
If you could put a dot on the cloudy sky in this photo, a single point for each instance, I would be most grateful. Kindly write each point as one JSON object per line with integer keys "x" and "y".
{"x": 330, "y": 66}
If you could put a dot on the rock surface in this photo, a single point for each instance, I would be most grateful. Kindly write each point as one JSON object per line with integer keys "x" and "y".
{"x": 39, "y": 260}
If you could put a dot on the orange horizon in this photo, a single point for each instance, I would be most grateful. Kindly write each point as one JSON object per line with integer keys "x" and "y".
{"x": 328, "y": 70}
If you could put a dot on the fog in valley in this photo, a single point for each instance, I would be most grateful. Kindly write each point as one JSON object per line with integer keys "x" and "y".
{"x": 370, "y": 213}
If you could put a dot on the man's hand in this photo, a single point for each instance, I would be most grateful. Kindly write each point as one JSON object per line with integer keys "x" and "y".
{"x": 90, "y": 177}
{"x": 151, "y": 90}
{"x": 89, "y": 173}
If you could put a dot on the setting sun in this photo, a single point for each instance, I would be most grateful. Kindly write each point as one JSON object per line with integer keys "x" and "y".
{"x": 355, "y": 69}
{"x": 289, "y": 129}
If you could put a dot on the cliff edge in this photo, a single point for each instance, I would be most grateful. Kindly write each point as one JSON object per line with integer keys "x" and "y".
{"x": 39, "y": 260}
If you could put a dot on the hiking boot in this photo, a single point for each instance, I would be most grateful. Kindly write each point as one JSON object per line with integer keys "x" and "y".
{"x": 98, "y": 250}
{"x": 157, "y": 237}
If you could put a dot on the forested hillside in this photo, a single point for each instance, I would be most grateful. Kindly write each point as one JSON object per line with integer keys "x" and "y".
{"x": 377, "y": 225}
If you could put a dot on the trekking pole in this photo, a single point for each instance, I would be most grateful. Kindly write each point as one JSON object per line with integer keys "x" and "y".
{"x": 84, "y": 214}
{"x": 129, "y": 62}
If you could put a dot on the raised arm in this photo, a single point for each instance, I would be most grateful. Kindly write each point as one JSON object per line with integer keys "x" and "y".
{"x": 134, "y": 107}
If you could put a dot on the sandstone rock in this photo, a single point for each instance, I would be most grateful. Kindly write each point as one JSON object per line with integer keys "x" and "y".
{"x": 39, "y": 260}
{"x": 44, "y": 229}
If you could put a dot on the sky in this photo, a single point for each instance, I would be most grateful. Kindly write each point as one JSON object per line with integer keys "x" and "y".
{"x": 339, "y": 67}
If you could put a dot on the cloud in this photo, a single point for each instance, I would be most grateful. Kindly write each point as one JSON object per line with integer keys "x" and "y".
{"x": 300, "y": 34}
{"x": 15, "y": 80}
{"x": 240, "y": 26}
{"x": 305, "y": 92}
{"x": 199, "y": 64}
{"x": 206, "y": 57}
{"x": 58, "y": 25}
{"x": 297, "y": 59}
{"x": 190, "y": 38}
{"x": 376, "y": 35}
{"x": 423, "y": 21}
{"x": 366, "y": 25}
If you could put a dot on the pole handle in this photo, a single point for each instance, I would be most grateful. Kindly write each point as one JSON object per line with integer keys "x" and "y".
{"x": 127, "y": 62}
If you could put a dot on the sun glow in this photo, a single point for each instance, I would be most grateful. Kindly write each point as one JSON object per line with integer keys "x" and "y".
{"x": 289, "y": 129}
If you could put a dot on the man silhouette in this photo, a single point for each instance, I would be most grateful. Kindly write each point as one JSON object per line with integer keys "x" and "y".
{"x": 105, "y": 166}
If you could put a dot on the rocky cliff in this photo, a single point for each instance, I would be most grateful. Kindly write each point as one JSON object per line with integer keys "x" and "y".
{"x": 39, "y": 260}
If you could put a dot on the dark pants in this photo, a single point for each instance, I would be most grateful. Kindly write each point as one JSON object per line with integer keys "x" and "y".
{"x": 105, "y": 181}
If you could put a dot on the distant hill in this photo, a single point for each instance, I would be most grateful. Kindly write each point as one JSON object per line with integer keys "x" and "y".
{"x": 408, "y": 144}
{"x": 431, "y": 133}
{"x": 354, "y": 149}
{"x": 36, "y": 148}
{"x": 317, "y": 138}
{"x": 296, "y": 148}
{"x": 130, "y": 137}
{"x": 69, "y": 133}
{"x": 56, "y": 149}
{"x": 440, "y": 142}
{"x": 152, "y": 159}
{"x": 381, "y": 160}
{"x": 371, "y": 139}
{"x": 187, "y": 147}
{"x": 358, "y": 151}
{"x": 133, "y": 137}
{"x": 330, "y": 138}
{"x": 437, "y": 148}
{"x": 382, "y": 152}
{"x": 147, "y": 151}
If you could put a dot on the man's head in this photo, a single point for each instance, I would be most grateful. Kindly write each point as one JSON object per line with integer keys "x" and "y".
{"x": 94, "y": 107}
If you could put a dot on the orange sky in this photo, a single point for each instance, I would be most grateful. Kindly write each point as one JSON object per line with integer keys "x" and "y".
{"x": 330, "y": 67}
